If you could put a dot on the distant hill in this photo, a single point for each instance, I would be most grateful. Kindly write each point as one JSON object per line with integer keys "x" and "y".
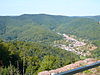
{"x": 28, "y": 41}
{"x": 43, "y": 27}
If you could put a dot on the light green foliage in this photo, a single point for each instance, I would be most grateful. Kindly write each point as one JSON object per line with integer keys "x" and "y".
{"x": 96, "y": 53}
{"x": 43, "y": 27}
{"x": 11, "y": 70}
{"x": 33, "y": 57}
{"x": 88, "y": 71}
{"x": 28, "y": 57}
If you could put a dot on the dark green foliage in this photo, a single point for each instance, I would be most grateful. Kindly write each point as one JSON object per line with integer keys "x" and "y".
{"x": 82, "y": 27}
{"x": 4, "y": 54}
{"x": 31, "y": 57}
{"x": 2, "y": 28}
{"x": 28, "y": 57}
{"x": 96, "y": 53}
{"x": 11, "y": 70}
{"x": 7, "y": 56}
{"x": 41, "y": 27}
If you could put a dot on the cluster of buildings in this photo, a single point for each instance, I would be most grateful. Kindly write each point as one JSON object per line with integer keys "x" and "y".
{"x": 75, "y": 42}
{"x": 71, "y": 47}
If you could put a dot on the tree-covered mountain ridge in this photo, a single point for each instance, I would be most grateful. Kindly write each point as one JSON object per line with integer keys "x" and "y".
{"x": 42, "y": 27}
{"x": 30, "y": 42}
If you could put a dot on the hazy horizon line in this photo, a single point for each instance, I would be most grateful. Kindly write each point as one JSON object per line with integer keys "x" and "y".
{"x": 48, "y": 14}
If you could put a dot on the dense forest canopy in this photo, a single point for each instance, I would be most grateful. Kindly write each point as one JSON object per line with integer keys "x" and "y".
{"x": 32, "y": 57}
{"x": 27, "y": 41}
{"x": 39, "y": 27}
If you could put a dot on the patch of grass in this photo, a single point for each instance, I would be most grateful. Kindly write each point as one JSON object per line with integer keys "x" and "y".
{"x": 87, "y": 71}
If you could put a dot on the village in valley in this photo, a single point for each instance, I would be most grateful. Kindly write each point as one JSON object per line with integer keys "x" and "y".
{"x": 77, "y": 45}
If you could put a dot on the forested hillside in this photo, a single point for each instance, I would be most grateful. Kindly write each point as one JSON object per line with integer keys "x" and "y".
{"x": 32, "y": 43}
{"x": 29, "y": 58}
{"x": 39, "y": 27}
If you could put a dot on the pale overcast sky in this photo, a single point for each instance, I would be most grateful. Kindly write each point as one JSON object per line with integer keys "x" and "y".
{"x": 55, "y": 7}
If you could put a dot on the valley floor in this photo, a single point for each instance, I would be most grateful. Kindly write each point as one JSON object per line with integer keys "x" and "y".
{"x": 80, "y": 48}
{"x": 74, "y": 45}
